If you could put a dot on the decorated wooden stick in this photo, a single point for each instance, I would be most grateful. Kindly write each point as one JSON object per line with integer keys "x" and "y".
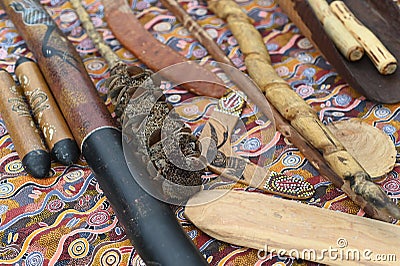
{"x": 149, "y": 224}
{"x": 343, "y": 39}
{"x": 229, "y": 164}
{"x": 293, "y": 108}
{"x": 381, "y": 57}
{"x": 293, "y": 229}
{"x": 22, "y": 129}
{"x": 46, "y": 112}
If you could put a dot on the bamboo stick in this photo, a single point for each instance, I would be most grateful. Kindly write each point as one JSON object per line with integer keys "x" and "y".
{"x": 380, "y": 56}
{"x": 343, "y": 39}
{"x": 293, "y": 108}
{"x": 105, "y": 51}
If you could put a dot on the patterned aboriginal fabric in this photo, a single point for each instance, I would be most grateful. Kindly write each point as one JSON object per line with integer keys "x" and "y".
{"x": 66, "y": 220}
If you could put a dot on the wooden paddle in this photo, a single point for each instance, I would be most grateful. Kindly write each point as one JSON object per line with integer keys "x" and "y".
{"x": 291, "y": 228}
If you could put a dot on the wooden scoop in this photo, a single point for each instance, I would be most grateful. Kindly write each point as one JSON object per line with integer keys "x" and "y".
{"x": 382, "y": 17}
{"x": 372, "y": 148}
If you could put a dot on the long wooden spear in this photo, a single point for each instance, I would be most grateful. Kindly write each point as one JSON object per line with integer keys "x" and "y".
{"x": 293, "y": 108}
{"x": 197, "y": 31}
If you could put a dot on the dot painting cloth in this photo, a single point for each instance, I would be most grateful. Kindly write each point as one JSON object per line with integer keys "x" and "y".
{"x": 66, "y": 220}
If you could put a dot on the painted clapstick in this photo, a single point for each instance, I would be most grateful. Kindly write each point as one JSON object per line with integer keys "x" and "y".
{"x": 22, "y": 129}
{"x": 343, "y": 39}
{"x": 46, "y": 112}
{"x": 148, "y": 223}
{"x": 380, "y": 56}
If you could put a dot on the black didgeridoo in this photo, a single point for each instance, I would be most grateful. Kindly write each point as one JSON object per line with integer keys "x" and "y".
{"x": 150, "y": 224}
{"x": 156, "y": 235}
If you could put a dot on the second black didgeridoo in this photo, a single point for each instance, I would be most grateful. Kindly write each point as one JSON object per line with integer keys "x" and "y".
{"x": 149, "y": 224}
